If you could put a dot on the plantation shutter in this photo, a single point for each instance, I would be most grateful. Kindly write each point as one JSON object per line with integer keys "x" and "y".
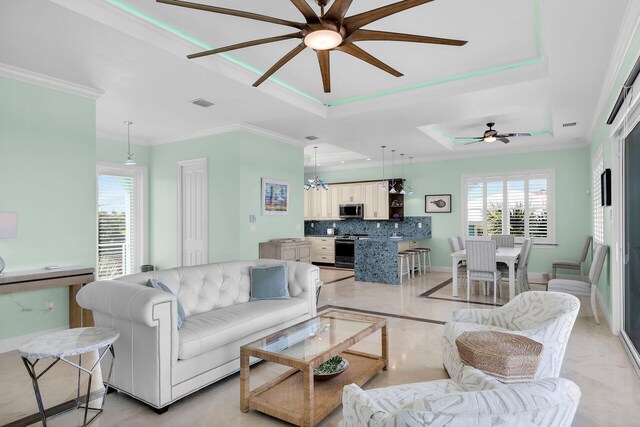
{"x": 516, "y": 204}
{"x": 116, "y": 225}
{"x": 596, "y": 190}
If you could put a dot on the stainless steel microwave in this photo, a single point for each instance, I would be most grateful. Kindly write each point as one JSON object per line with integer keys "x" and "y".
{"x": 352, "y": 211}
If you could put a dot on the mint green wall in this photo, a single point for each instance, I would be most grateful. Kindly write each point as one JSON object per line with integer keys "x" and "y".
{"x": 47, "y": 175}
{"x": 236, "y": 163}
{"x": 573, "y": 209}
{"x": 116, "y": 152}
{"x": 602, "y": 139}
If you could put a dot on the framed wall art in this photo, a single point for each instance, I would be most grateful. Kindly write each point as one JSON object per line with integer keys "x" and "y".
{"x": 275, "y": 197}
{"x": 437, "y": 203}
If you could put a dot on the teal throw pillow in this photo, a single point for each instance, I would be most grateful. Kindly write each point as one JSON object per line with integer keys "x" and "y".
{"x": 155, "y": 284}
{"x": 269, "y": 283}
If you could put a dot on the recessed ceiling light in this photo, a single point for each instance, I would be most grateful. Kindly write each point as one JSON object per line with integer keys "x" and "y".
{"x": 201, "y": 102}
{"x": 368, "y": 158}
{"x": 311, "y": 137}
{"x": 342, "y": 161}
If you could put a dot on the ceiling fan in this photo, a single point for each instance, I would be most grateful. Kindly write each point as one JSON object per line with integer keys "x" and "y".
{"x": 491, "y": 135}
{"x": 324, "y": 33}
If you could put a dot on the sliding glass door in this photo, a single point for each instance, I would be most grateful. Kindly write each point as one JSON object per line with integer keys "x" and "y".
{"x": 632, "y": 238}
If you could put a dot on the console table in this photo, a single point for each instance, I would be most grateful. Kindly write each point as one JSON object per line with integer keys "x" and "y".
{"x": 74, "y": 276}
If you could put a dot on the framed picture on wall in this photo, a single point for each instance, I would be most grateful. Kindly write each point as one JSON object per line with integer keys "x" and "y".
{"x": 275, "y": 197}
{"x": 437, "y": 203}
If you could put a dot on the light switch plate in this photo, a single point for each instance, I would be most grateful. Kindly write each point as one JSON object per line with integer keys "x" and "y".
{"x": 378, "y": 225}
{"x": 419, "y": 225}
{"x": 312, "y": 225}
{"x": 252, "y": 217}
{"x": 396, "y": 225}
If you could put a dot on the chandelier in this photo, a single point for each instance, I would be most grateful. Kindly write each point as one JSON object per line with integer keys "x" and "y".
{"x": 315, "y": 182}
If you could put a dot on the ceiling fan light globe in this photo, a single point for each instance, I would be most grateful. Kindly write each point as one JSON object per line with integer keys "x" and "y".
{"x": 323, "y": 39}
{"x": 490, "y": 139}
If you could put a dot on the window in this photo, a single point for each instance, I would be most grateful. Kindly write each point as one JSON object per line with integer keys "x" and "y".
{"x": 596, "y": 189}
{"x": 520, "y": 204}
{"x": 120, "y": 226}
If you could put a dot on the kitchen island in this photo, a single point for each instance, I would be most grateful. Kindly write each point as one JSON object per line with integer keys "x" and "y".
{"x": 376, "y": 258}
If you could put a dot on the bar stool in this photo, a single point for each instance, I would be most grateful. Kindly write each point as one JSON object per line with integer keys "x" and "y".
{"x": 426, "y": 256}
{"x": 404, "y": 257}
{"x": 418, "y": 264}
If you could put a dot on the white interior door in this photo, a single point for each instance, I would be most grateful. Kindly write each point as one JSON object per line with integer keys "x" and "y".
{"x": 193, "y": 218}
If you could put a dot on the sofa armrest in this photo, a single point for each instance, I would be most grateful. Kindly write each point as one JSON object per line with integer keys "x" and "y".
{"x": 358, "y": 409}
{"x": 123, "y": 300}
{"x": 303, "y": 278}
{"x": 147, "y": 349}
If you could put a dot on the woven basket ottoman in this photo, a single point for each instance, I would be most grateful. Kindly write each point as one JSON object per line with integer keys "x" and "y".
{"x": 507, "y": 357}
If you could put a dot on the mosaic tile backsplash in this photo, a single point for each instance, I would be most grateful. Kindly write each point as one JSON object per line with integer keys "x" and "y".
{"x": 408, "y": 227}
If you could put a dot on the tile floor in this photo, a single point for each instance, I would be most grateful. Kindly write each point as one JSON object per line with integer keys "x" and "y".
{"x": 595, "y": 360}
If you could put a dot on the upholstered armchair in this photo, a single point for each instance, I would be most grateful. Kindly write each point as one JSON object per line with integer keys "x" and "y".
{"x": 545, "y": 317}
{"x": 478, "y": 400}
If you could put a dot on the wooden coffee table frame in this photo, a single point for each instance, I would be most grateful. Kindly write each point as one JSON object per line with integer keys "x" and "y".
{"x": 293, "y": 396}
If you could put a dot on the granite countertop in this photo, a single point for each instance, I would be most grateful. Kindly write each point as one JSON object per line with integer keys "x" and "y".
{"x": 395, "y": 239}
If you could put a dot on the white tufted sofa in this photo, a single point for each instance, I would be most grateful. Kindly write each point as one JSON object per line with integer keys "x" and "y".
{"x": 159, "y": 364}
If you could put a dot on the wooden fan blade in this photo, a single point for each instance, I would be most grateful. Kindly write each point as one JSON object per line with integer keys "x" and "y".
{"x": 479, "y": 138}
{"x": 354, "y": 50}
{"x": 472, "y": 142}
{"x": 354, "y": 22}
{"x": 288, "y": 57}
{"x": 306, "y": 10}
{"x": 366, "y": 35}
{"x": 508, "y": 135}
{"x": 233, "y": 12}
{"x": 245, "y": 44}
{"x": 502, "y": 139}
{"x": 325, "y": 70}
{"x": 337, "y": 11}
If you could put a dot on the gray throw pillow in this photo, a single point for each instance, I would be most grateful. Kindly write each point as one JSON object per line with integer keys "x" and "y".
{"x": 155, "y": 284}
{"x": 269, "y": 283}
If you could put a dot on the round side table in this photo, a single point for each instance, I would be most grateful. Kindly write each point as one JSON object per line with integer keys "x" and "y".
{"x": 61, "y": 345}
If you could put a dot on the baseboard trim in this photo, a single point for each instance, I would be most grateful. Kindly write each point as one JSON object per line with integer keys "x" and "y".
{"x": 13, "y": 343}
{"x": 605, "y": 311}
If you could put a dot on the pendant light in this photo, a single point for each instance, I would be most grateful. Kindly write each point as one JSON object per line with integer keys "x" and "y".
{"x": 409, "y": 188}
{"x": 130, "y": 161}
{"x": 315, "y": 182}
{"x": 401, "y": 184}
{"x": 393, "y": 173}
{"x": 383, "y": 186}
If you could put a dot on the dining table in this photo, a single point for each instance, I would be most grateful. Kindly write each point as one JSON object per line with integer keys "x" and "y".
{"x": 508, "y": 256}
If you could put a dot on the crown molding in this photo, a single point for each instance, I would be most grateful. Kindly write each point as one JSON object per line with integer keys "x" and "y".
{"x": 48, "y": 81}
{"x": 630, "y": 25}
{"x": 233, "y": 127}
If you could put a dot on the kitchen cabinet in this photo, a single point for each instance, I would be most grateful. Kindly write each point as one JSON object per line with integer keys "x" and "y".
{"x": 351, "y": 193}
{"x": 322, "y": 249}
{"x": 376, "y": 202}
{"x": 378, "y": 205}
{"x": 321, "y": 204}
{"x": 286, "y": 249}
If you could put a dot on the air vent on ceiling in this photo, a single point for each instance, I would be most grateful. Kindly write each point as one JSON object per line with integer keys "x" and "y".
{"x": 311, "y": 137}
{"x": 568, "y": 125}
{"x": 202, "y": 102}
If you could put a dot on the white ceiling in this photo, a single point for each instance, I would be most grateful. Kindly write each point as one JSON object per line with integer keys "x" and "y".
{"x": 146, "y": 77}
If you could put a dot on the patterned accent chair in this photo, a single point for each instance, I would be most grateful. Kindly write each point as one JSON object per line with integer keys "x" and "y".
{"x": 545, "y": 317}
{"x": 478, "y": 400}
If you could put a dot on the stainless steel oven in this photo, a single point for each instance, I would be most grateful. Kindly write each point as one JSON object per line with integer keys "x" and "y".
{"x": 345, "y": 250}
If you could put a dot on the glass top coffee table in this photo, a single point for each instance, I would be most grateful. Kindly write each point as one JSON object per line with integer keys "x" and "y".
{"x": 294, "y": 396}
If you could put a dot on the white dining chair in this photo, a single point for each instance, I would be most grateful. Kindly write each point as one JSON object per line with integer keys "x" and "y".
{"x": 522, "y": 280}
{"x": 504, "y": 240}
{"x": 461, "y": 242}
{"x": 583, "y": 286}
{"x": 481, "y": 264}
{"x": 462, "y": 267}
